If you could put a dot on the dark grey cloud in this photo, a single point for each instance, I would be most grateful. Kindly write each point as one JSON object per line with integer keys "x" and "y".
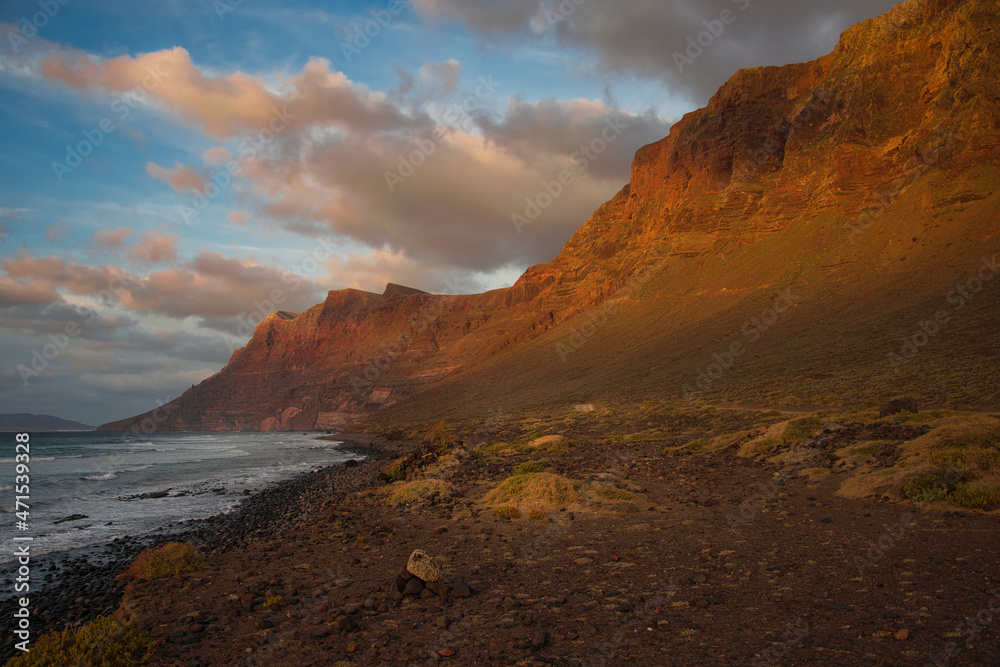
{"x": 641, "y": 36}
{"x": 567, "y": 127}
{"x": 447, "y": 199}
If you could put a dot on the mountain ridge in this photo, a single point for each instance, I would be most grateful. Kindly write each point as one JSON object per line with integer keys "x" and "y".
{"x": 852, "y": 182}
{"x": 26, "y": 421}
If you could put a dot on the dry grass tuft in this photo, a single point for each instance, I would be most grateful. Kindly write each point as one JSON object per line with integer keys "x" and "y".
{"x": 408, "y": 492}
{"x": 173, "y": 558}
{"x": 536, "y": 490}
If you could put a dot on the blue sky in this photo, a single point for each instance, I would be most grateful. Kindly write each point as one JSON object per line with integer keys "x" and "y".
{"x": 325, "y": 159}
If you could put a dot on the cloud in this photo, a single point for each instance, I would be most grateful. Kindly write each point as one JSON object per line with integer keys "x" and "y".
{"x": 448, "y": 198}
{"x": 16, "y": 293}
{"x": 46, "y": 318}
{"x": 57, "y": 272}
{"x": 57, "y": 231}
{"x": 439, "y": 180}
{"x": 227, "y": 106}
{"x": 481, "y": 15}
{"x": 11, "y": 213}
{"x": 641, "y": 36}
{"x": 155, "y": 248}
{"x": 112, "y": 237}
{"x": 180, "y": 178}
{"x": 208, "y": 286}
{"x": 222, "y": 106}
{"x": 552, "y": 127}
{"x": 216, "y": 156}
{"x": 213, "y": 285}
{"x": 373, "y": 271}
{"x": 442, "y": 76}
{"x": 173, "y": 382}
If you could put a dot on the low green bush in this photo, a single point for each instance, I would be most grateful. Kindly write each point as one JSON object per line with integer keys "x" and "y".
{"x": 104, "y": 642}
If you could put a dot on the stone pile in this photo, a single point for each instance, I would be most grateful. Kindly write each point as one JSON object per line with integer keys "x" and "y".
{"x": 422, "y": 578}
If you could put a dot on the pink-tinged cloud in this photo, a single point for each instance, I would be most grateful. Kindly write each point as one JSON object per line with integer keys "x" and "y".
{"x": 210, "y": 286}
{"x": 57, "y": 272}
{"x": 216, "y": 156}
{"x": 441, "y": 188}
{"x": 16, "y": 293}
{"x": 237, "y": 217}
{"x": 229, "y": 105}
{"x": 223, "y": 106}
{"x": 155, "y": 248}
{"x": 180, "y": 178}
{"x": 215, "y": 286}
{"x": 112, "y": 237}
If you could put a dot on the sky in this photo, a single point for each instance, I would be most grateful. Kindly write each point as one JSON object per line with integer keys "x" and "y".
{"x": 174, "y": 171}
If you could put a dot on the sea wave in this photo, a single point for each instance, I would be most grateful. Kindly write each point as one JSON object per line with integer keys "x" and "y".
{"x": 100, "y": 478}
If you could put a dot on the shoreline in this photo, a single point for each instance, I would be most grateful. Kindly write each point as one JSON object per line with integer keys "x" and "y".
{"x": 75, "y": 586}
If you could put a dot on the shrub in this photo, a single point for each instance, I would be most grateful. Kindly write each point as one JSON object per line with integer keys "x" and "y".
{"x": 867, "y": 449}
{"x": 398, "y": 469}
{"x": 172, "y": 558}
{"x": 806, "y": 427}
{"x": 976, "y": 497}
{"x": 612, "y": 492}
{"x": 536, "y": 514}
{"x": 507, "y": 510}
{"x": 105, "y": 641}
{"x": 985, "y": 436}
{"x": 406, "y": 492}
{"x": 272, "y": 602}
{"x": 765, "y": 445}
{"x": 536, "y": 488}
{"x": 934, "y": 484}
{"x": 979, "y": 458}
{"x": 527, "y": 467}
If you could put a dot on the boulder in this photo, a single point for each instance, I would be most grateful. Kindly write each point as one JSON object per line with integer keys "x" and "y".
{"x": 423, "y": 566}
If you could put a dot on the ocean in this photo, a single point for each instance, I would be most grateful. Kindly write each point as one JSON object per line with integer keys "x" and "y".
{"x": 116, "y": 481}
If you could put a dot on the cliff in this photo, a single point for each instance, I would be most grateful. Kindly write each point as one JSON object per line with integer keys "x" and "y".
{"x": 814, "y": 214}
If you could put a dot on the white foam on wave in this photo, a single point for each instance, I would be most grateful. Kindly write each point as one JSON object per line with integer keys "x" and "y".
{"x": 101, "y": 478}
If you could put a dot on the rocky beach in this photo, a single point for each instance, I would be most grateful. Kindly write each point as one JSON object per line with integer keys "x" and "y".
{"x": 700, "y": 554}
{"x": 80, "y": 585}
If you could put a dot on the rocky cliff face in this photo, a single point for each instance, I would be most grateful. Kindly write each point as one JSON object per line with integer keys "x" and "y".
{"x": 865, "y": 180}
